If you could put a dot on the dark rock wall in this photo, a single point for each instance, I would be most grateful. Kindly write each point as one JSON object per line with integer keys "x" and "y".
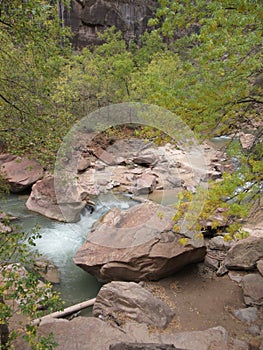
{"x": 88, "y": 17}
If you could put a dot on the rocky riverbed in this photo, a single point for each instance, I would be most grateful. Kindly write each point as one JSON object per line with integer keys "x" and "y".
{"x": 209, "y": 292}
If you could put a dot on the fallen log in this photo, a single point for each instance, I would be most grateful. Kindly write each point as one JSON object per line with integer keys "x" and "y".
{"x": 67, "y": 311}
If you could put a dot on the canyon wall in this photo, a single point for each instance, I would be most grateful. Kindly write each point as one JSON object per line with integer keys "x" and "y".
{"x": 88, "y": 17}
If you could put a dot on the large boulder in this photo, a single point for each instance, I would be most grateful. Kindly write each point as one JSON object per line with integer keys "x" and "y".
{"x": 43, "y": 200}
{"x": 120, "y": 300}
{"x": 21, "y": 173}
{"x": 91, "y": 333}
{"x": 137, "y": 244}
{"x": 245, "y": 254}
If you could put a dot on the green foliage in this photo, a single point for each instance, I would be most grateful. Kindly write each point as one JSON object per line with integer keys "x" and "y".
{"x": 213, "y": 55}
{"x": 21, "y": 292}
{"x": 183, "y": 241}
{"x": 34, "y": 47}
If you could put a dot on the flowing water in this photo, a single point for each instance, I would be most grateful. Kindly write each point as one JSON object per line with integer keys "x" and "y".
{"x": 60, "y": 241}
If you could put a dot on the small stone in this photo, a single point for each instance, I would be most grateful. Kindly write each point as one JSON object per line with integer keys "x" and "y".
{"x": 175, "y": 181}
{"x": 254, "y": 330}
{"x": 145, "y": 184}
{"x": 247, "y": 315}
{"x": 213, "y": 174}
{"x": 83, "y": 164}
{"x": 235, "y": 276}
{"x": 219, "y": 243}
{"x": 222, "y": 269}
{"x": 47, "y": 271}
{"x": 4, "y": 228}
{"x": 210, "y": 262}
{"x": 99, "y": 166}
{"x": 246, "y": 140}
{"x": 240, "y": 345}
{"x": 252, "y": 285}
{"x": 147, "y": 159}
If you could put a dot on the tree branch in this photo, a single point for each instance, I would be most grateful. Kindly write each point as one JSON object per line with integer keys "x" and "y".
{"x": 12, "y": 104}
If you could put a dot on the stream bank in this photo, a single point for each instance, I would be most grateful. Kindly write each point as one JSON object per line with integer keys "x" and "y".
{"x": 195, "y": 295}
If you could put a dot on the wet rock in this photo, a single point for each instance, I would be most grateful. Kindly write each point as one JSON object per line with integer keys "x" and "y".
{"x": 247, "y": 315}
{"x": 142, "y": 346}
{"x": 120, "y": 300}
{"x": 252, "y": 285}
{"x": 245, "y": 254}
{"x": 137, "y": 244}
{"x": 43, "y": 200}
{"x": 21, "y": 173}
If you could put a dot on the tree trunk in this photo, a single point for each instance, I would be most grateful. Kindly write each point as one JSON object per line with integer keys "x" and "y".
{"x": 4, "y": 331}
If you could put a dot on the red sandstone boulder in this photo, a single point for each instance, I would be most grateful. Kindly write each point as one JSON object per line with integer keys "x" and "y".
{"x": 137, "y": 244}
{"x": 21, "y": 173}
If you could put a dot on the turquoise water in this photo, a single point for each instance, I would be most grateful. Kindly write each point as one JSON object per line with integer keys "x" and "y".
{"x": 60, "y": 241}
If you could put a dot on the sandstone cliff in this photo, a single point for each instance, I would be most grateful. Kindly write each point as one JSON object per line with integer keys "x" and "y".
{"x": 88, "y": 17}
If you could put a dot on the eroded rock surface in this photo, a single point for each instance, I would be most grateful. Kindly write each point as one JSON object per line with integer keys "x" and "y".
{"x": 118, "y": 300}
{"x": 44, "y": 200}
{"x": 137, "y": 244}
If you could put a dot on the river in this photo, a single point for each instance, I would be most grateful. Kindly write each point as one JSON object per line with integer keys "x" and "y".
{"x": 60, "y": 241}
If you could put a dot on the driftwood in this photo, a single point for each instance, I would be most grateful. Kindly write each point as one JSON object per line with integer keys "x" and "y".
{"x": 67, "y": 311}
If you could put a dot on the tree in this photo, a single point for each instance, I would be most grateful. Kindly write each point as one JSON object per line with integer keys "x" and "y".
{"x": 210, "y": 76}
{"x": 34, "y": 48}
{"x": 21, "y": 292}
